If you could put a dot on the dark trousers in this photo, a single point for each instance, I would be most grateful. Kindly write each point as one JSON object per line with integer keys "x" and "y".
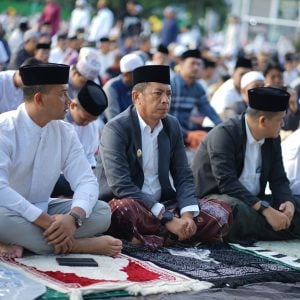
{"x": 249, "y": 225}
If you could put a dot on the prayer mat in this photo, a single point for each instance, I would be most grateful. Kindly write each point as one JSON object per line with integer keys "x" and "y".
{"x": 219, "y": 264}
{"x": 55, "y": 295}
{"x": 289, "y": 247}
{"x": 283, "y": 252}
{"x": 120, "y": 273}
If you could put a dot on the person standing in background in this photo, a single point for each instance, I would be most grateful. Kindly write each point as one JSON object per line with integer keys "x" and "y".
{"x": 51, "y": 15}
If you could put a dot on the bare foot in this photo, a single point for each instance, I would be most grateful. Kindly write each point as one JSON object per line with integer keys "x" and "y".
{"x": 10, "y": 251}
{"x": 103, "y": 245}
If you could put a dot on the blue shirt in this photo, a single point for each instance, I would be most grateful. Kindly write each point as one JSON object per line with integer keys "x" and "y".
{"x": 118, "y": 96}
{"x": 187, "y": 97}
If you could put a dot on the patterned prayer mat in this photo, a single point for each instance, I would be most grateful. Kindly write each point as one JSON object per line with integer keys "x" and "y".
{"x": 220, "y": 264}
{"x": 120, "y": 273}
{"x": 283, "y": 252}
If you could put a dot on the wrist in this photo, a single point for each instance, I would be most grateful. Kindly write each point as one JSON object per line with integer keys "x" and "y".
{"x": 187, "y": 215}
{"x": 167, "y": 217}
{"x": 77, "y": 219}
{"x": 43, "y": 221}
{"x": 264, "y": 205}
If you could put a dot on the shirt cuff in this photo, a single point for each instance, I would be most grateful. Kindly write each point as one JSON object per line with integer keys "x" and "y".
{"x": 157, "y": 208}
{"x": 32, "y": 213}
{"x": 191, "y": 208}
{"x": 87, "y": 206}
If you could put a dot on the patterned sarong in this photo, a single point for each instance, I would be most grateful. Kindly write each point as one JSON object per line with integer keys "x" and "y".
{"x": 131, "y": 219}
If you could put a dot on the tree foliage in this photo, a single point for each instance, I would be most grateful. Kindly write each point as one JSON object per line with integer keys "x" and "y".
{"x": 195, "y": 8}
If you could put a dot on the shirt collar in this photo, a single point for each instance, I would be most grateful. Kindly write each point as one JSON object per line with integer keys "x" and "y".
{"x": 250, "y": 139}
{"x": 35, "y": 128}
{"x": 144, "y": 126}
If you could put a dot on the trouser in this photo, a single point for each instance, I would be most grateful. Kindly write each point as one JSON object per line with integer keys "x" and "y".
{"x": 249, "y": 225}
{"x": 14, "y": 229}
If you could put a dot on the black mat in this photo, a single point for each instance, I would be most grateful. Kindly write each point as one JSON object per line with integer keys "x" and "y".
{"x": 224, "y": 266}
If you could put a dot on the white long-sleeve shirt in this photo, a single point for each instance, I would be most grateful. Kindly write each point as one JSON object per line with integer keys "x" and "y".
{"x": 10, "y": 96}
{"x": 101, "y": 24}
{"x": 223, "y": 101}
{"x": 80, "y": 18}
{"x": 88, "y": 136}
{"x": 151, "y": 184}
{"x": 291, "y": 160}
{"x": 31, "y": 160}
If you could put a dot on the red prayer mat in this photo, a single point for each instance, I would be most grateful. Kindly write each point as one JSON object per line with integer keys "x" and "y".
{"x": 119, "y": 273}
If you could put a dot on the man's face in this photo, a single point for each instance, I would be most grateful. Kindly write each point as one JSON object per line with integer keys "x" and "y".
{"x": 42, "y": 55}
{"x": 56, "y": 101}
{"x": 154, "y": 102}
{"x": 191, "y": 68}
{"x": 80, "y": 116}
{"x": 273, "y": 125}
{"x": 274, "y": 78}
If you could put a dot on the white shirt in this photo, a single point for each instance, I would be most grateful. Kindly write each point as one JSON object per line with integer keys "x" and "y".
{"x": 291, "y": 160}
{"x": 252, "y": 164}
{"x": 80, "y": 18}
{"x": 106, "y": 61}
{"x": 32, "y": 159}
{"x": 223, "y": 101}
{"x": 150, "y": 167}
{"x": 57, "y": 55}
{"x": 89, "y": 138}
{"x": 10, "y": 96}
{"x": 15, "y": 40}
{"x": 150, "y": 159}
{"x": 101, "y": 24}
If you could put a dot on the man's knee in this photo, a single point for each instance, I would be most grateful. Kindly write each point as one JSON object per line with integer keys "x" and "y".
{"x": 101, "y": 216}
{"x": 22, "y": 233}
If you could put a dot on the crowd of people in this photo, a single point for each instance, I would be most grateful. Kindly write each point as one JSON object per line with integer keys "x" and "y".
{"x": 109, "y": 134}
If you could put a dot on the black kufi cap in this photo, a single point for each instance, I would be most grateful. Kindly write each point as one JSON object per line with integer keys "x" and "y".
{"x": 44, "y": 74}
{"x": 243, "y": 62}
{"x": 104, "y": 39}
{"x": 191, "y": 53}
{"x": 151, "y": 73}
{"x": 163, "y": 49}
{"x": 43, "y": 46}
{"x": 92, "y": 98}
{"x": 268, "y": 99}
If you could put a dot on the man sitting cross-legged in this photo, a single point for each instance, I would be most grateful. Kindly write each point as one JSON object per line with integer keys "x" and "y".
{"x": 236, "y": 161}
{"x": 140, "y": 150}
{"x": 35, "y": 146}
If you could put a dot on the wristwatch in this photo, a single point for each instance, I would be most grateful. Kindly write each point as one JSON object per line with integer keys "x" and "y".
{"x": 263, "y": 206}
{"x": 166, "y": 217}
{"x": 77, "y": 219}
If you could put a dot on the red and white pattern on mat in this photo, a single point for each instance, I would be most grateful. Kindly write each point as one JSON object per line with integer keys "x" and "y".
{"x": 119, "y": 269}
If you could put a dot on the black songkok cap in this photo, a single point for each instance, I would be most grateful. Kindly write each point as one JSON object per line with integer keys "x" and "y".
{"x": 163, "y": 49}
{"x": 243, "y": 62}
{"x": 43, "y": 46}
{"x": 191, "y": 53}
{"x": 151, "y": 73}
{"x": 104, "y": 39}
{"x": 44, "y": 74}
{"x": 268, "y": 99}
{"x": 92, "y": 98}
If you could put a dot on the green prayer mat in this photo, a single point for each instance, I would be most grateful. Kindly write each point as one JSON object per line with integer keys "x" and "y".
{"x": 55, "y": 295}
